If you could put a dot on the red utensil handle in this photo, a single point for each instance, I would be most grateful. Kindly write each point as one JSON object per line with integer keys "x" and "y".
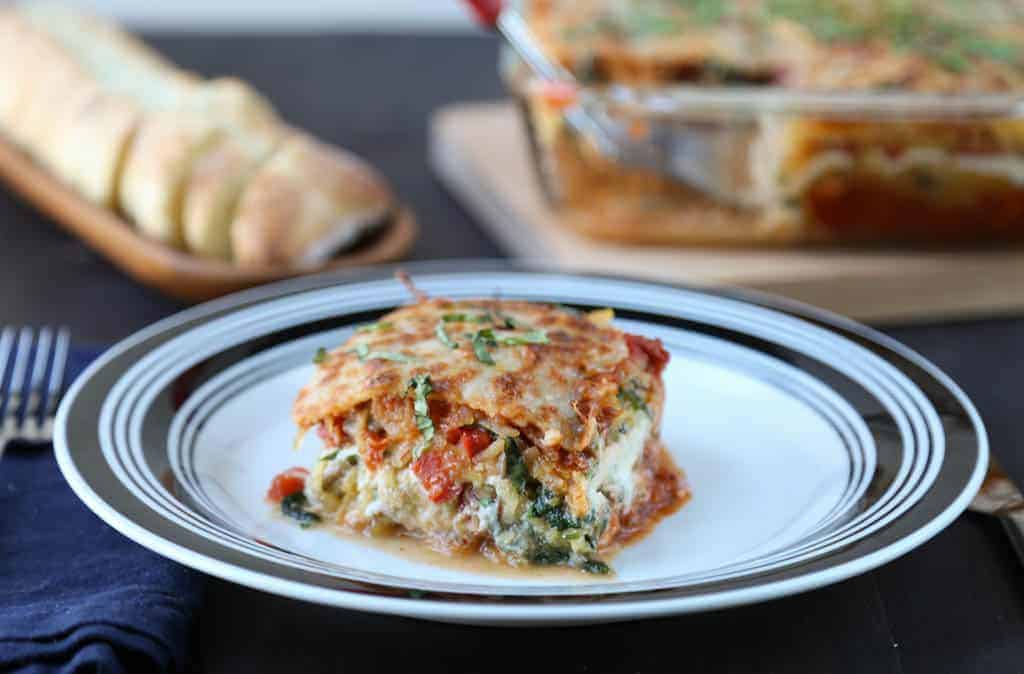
{"x": 486, "y": 11}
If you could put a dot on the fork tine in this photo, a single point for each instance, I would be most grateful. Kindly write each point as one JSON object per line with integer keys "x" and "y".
{"x": 16, "y": 387}
{"x": 35, "y": 385}
{"x": 60, "y": 364}
{"x": 6, "y": 344}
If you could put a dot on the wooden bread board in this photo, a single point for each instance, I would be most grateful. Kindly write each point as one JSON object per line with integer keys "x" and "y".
{"x": 479, "y": 151}
{"x": 176, "y": 272}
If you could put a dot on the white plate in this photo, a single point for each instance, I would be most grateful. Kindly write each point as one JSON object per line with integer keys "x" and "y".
{"x": 816, "y": 450}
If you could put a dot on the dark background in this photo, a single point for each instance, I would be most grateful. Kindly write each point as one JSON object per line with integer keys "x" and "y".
{"x": 954, "y": 605}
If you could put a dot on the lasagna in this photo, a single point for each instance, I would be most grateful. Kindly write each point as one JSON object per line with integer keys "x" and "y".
{"x": 526, "y": 432}
{"x": 808, "y": 177}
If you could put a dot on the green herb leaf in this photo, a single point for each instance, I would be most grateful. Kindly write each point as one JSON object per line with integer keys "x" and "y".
{"x": 294, "y": 506}
{"x": 352, "y": 459}
{"x": 421, "y": 387}
{"x": 549, "y": 507}
{"x": 481, "y": 341}
{"x": 363, "y": 352}
{"x": 515, "y": 466}
{"x": 632, "y": 394}
{"x": 505, "y": 320}
{"x": 443, "y": 337}
{"x": 596, "y": 567}
{"x": 531, "y": 337}
{"x": 382, "y": 326}
{"x": 320, "y": 356}
{"x": 330, "y": 457}
{"x": 466, "y": 318}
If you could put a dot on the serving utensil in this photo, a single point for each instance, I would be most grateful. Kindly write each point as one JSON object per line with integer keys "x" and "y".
{"x": 1001, "y": 498}
{"x": 29, "y": 401}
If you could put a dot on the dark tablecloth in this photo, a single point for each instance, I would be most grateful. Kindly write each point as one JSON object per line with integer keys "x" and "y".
{"x": 75, "y": 595}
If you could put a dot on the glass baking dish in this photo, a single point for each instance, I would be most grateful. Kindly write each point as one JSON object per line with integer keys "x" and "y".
{"x": 781, "y": 166}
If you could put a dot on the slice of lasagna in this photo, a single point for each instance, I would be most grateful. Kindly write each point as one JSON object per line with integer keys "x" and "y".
{"x": 528, "y": 432}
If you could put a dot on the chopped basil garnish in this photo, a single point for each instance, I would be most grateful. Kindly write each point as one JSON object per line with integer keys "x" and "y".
{"x": 466, "y": 318}
{"x": 331, "y": 456}
{"x": 320, "y": 356}
{"x": 382, "y": 326}
{"x": 481, "y": 341}
{"x": 352, "y": 459}
{"x": 363, "y": 352}
{"x": 531, "y": 337}
{"x": 632, "y": 394}
{"x": 443, "y": 337}
{"x": 421, "y": 388}
{"x": 486, "y": 338}
{"x": 294, "y": 506}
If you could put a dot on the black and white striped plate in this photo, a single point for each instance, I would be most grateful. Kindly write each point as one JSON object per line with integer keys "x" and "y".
{"x": 816, "y": 449}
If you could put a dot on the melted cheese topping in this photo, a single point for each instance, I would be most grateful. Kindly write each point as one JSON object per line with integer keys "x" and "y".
{"x": 532, "y": 386}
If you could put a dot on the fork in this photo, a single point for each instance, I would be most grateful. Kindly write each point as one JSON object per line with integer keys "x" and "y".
{"x": 35, "y": 383}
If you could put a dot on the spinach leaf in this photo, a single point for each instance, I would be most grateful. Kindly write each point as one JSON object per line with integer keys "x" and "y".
{"x": 515, "y": 466}
{"x": 294, "y": 506}
{"x": 596, "y": 567}
{"x": 549, "y": 507}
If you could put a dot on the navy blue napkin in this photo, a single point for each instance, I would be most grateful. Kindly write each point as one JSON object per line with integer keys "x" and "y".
{"x": 75, "y": 595}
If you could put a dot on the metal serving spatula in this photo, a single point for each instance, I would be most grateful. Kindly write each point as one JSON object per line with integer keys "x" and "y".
{"x": 1000, "y": 497}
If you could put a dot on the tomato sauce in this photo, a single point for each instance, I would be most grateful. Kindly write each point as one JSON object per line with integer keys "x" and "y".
{"x": 652, "y": 351}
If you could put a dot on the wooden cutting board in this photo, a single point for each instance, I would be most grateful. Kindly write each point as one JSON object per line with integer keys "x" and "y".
{"x": 479, "y": 152}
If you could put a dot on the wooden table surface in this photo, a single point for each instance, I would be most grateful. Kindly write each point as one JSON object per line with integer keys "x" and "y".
{"x": 954, "y": 605}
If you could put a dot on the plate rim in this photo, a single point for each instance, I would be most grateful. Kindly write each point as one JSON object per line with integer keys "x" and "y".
{"x": 501, "y": 612}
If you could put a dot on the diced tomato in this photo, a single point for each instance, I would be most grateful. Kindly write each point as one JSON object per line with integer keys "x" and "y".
{"x": 651, "y": 350}
{"x": 436, "y": 471}
{"x": 473, "y": 439}
{"x": 287, "y": 483}
{"x": 376, "y": 445}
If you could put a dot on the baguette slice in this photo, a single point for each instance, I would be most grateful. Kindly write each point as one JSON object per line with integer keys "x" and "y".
{"x": 15, "y": 38}
{"x": 44, "y": 77}
{"x": 89, "y": 145}
{"x": 156, "y": 169}
{"x": 306, "y": 202}
{"x": 122, "y": 63}
{"x": 215, "y": 186}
